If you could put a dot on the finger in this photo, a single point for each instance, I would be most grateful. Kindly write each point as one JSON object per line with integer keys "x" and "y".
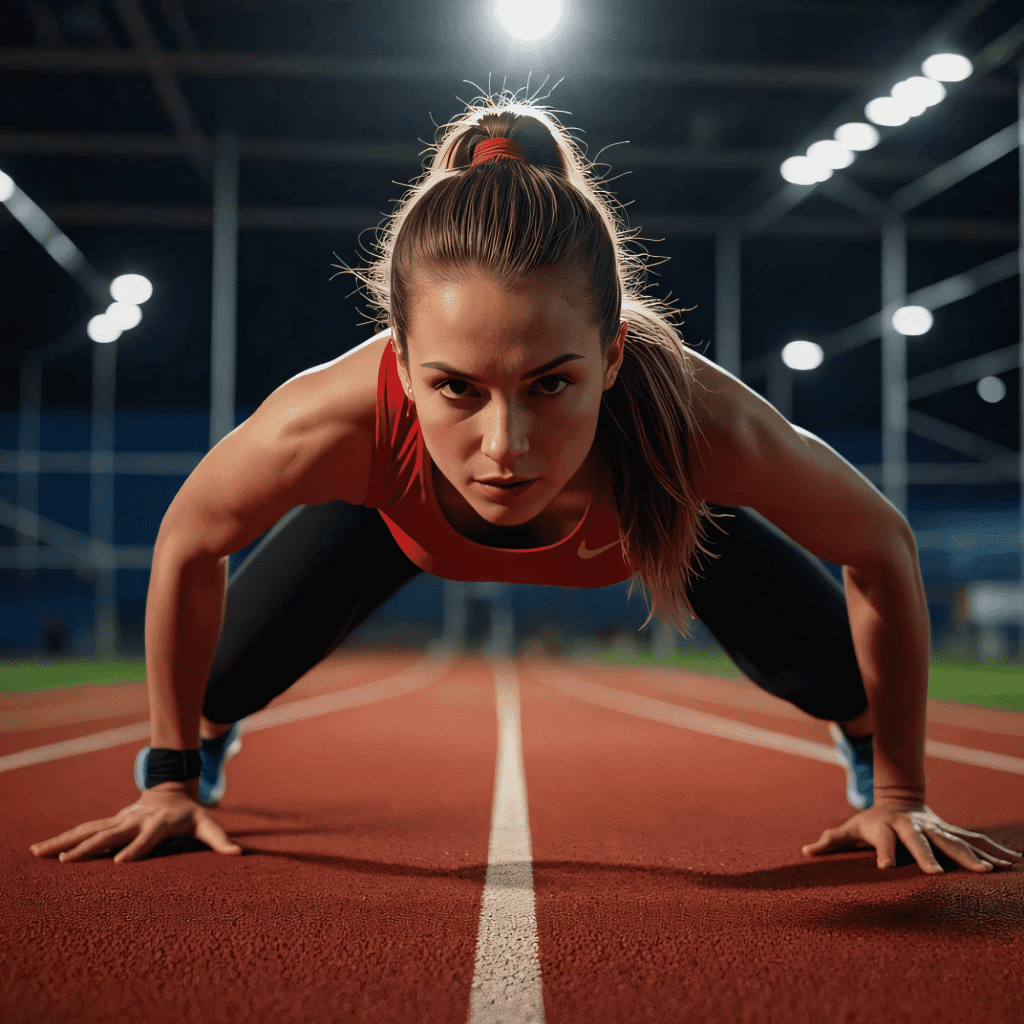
{"x": 66, "y": 840}
{"x": 102, "y": 842}
{"x": 963, "y": 853}
{"x": 884, "y": 842}
{"x": 210, "y": 832}
{"x": 977, "y": 839}
{"x": 149, "y": 836}
{"x": 833, "y": 839}
{"x": 920, "y": 849}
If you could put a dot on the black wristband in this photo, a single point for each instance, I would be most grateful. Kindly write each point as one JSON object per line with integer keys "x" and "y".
{"x": 165, "y": 765}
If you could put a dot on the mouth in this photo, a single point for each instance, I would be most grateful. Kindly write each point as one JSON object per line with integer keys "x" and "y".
{"x": 492, "y": 489}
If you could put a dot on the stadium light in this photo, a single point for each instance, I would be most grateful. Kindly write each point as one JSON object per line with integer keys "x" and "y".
{"x": 801, "y": 170}
{"x": 123, "y": 315}
{"x": 857, "y": 136}
{"x": 529, "y": 19}
{"x": 803, "y": 355}
{"x": 912, "y": 320}
{"x": 830, "y": 154}
{"x": 888, "y": 111}
{"x": 918, "y": 91}
{"x": 6, "y": 187}
{"x": 991, "y": 389}
{"x": 102, "y": 329}
{"x": 133, "y": 288}
{"x": 948, "y": 67}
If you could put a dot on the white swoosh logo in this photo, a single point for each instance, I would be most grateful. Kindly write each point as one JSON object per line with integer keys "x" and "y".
{"x": 585, "y": 553}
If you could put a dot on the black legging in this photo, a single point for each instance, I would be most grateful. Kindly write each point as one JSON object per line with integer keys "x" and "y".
{"x": 323, "y": 569}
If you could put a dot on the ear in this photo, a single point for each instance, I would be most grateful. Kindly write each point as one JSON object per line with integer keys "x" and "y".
{"x": 613, "y": 356}
{"x": 403, "y": 372}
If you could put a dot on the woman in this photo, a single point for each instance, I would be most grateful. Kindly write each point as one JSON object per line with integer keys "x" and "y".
{"x": 529, "y": 416}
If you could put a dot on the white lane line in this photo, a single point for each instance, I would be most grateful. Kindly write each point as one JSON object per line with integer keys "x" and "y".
{"x": 506, "y": 976}
{"x": 416, "y": 676}
{"x": 727, "y": 728}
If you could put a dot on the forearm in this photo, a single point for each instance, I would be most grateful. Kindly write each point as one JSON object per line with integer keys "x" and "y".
{"x": 184, "y": 615}
{"x": 889, "y": 621}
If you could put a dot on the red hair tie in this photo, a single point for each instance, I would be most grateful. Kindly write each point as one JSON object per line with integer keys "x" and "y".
{"x": 489, "y": 149}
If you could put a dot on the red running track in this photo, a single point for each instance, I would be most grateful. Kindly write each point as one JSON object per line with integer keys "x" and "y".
{"x": 668, "y": 876}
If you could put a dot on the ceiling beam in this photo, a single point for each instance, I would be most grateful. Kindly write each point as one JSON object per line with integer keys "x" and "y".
{"x": 441, "y": 69}
{"x": 179, "y": 110}
{"x": 390, "y": 154}
{"x": 194, "y": 216}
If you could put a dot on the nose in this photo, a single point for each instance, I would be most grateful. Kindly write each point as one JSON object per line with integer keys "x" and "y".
{"x": 507, "y": 436}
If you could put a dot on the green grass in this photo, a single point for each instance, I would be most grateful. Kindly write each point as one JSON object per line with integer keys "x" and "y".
{"x": 42, "y": 674}
{"x": 998, "y": 684}
{"x": 994, "y": 684}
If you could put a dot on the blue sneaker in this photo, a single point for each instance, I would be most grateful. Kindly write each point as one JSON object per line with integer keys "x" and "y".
{"x": 859, "y": 762}
{"x": 213, "y": 756}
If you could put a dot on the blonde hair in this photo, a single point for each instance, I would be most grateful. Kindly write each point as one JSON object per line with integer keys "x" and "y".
{"x": 511, "y": 218}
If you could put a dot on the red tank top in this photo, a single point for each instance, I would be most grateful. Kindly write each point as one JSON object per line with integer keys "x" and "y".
{"x": 402, "y": 490}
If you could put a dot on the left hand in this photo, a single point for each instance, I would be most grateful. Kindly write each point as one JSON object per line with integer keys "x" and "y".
{"x": 919, "y": 829}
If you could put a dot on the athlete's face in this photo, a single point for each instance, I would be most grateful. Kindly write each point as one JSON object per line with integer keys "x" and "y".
{"x": 501, "y": 401}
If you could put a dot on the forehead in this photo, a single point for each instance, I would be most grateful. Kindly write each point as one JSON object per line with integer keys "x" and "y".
{"x": 471, "y": 310}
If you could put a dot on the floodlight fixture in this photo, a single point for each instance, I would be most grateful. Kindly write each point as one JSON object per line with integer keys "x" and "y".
{"x": 133, "y": 288}
{"x": 991, "y": 389}
{"x": 948, "y": 67}
{"x": 102, "y": 329}
{"x": 801, "y": 170}
{"x": 857, "y": 136}
{"x": 830, "y": 154}
{"x": 6, "y": 187}
{"x": 912, "y": 320}
{"x": 918, "y": 91}
{"x": 123, "y": 315}
{"x": 888, "y": 111}
{"x": 528, "y": 19}
{"x": 803, "y": 355}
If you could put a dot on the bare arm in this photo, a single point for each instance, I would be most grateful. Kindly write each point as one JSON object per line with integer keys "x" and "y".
{"x": 751, "y": 456}
{"x": 310, "y": 442}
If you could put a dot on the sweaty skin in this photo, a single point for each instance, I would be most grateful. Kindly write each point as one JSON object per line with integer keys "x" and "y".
{"x": 314, "y": 435}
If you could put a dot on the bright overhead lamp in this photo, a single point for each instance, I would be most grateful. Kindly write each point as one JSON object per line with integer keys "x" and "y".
{"x": 133, "y": 288}
{"x": 6, "y": 187}
{"x": 912, "y": 320}
{"x": 991, "y": 389}
{"x": 948, "y": 67}
{"x": 830, "y": 154}
{"x": 123, "y": 315}
{"x": 801, "y": 170}
{"x": 803, "y": 355}
{"x": 918, "y": 91}
{"x": 102, "y": 329}
{"x": 857, "y": 136}
{"x": 888, "y": 111}
{"x": 528, "y": 19}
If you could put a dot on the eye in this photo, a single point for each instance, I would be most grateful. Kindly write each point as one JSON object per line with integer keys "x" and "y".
{"x": 552, "y": 385}
{"x": 457, "y": 388}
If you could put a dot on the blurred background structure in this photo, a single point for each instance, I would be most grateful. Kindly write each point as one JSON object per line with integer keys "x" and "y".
{"x": 836, "y": 185}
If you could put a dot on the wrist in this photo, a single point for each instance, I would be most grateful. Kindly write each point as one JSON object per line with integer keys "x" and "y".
{"x": 165, "y": 764}
{"x": 899, "y": 794}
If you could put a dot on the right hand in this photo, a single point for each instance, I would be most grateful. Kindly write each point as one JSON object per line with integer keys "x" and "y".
{"x": 167, "y": 811}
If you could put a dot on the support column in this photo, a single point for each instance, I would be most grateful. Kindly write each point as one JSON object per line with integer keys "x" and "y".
{"x": 780, "y": 388}
{"x": 727, "y": 301}
{"x": 894, "y": 363}
{"x": 1020, "y": 307}
{"x": 225, "y": 287}
{"x": 101, "y": 497}
{"x": 29, "y": 430}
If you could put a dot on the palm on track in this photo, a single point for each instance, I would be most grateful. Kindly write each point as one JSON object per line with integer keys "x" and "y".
{"x": 922, "y": 832}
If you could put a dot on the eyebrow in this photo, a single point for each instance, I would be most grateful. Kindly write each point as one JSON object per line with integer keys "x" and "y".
{"x": 536, "y": 371}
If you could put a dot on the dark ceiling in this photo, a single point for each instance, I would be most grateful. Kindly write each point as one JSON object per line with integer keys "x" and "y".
{"x": 108, "y": 109}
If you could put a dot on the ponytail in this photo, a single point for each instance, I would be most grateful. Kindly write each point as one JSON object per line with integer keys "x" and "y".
{"x": 512, "y": 217}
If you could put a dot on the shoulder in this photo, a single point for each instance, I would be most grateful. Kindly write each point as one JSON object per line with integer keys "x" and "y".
{"x": 330, "y": 410}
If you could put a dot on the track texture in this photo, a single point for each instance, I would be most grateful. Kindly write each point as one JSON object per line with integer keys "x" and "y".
{"x": 669, "y": 880}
